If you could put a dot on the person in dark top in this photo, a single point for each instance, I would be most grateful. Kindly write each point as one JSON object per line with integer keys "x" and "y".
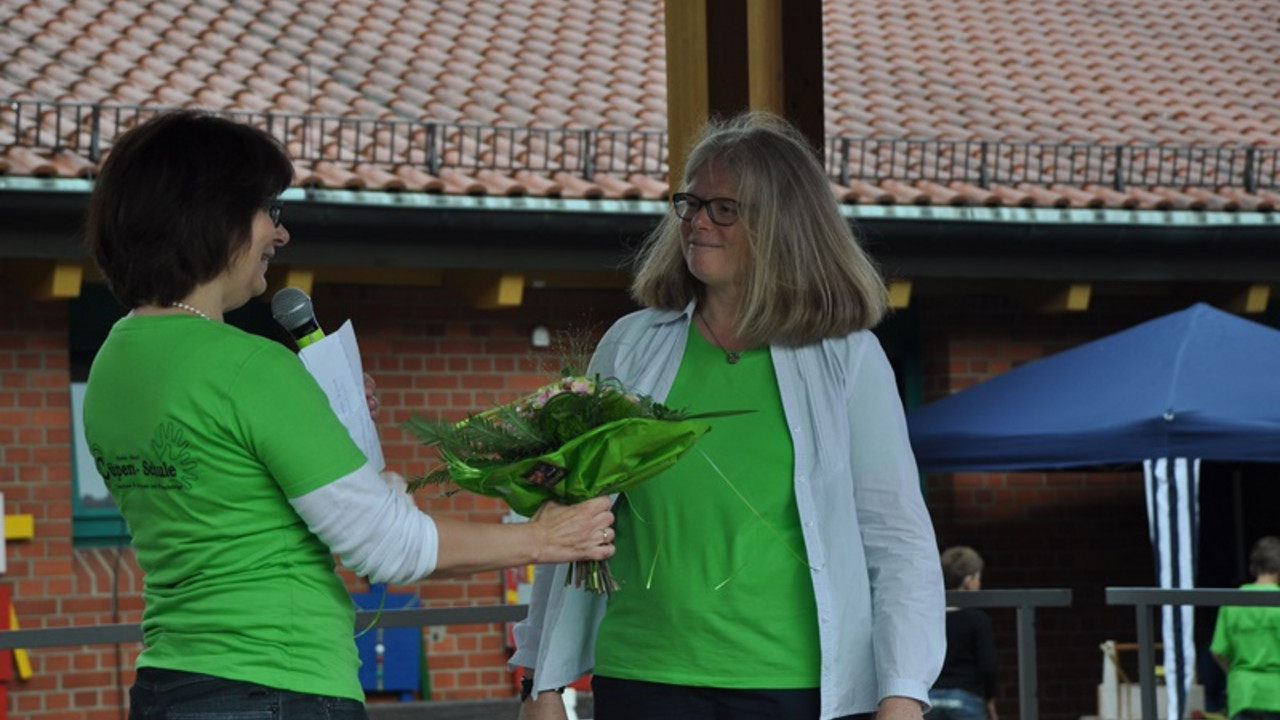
{"x": 966, "y": 689}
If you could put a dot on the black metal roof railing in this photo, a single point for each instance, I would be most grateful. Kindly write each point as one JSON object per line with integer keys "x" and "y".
{"x": 88, "y": 129}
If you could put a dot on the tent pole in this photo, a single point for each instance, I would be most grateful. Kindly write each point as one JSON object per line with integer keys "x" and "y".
{"x": 1028, "y": 703}
{"x": 1146, "y": 662}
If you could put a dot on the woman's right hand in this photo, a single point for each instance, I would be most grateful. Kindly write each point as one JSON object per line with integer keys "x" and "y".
{"x": 556, "y": 534}
{"x": 568, "y": 533}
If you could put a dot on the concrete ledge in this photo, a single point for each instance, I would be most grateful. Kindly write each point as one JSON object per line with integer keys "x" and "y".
{"x": 446, "y": 710}
{"x": 460, "y": 709}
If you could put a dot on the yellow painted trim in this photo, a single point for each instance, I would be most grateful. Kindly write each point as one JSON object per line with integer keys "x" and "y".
{"x": 899, "y": 294}
{"x": 44, "y": 279}
{"x": 21, "y": 661}
{"x": 488, "y": 289}
{"x": 1073, "y": 297}
{"x": 1251, "y": 301}
{"x": 303, "y": 278}
{"x": 19, "y": 527}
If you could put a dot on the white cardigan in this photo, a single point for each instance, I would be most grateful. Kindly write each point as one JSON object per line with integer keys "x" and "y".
{"x": 876, "y": 573}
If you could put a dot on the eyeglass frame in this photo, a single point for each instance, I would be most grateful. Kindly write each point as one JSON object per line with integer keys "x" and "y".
{"x": 684, "y": 197}
{"x": 275, "y": 211}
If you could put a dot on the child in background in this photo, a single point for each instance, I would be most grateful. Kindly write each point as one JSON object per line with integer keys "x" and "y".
{"x": 1246, "y": 642}
{"x": 966, "y": 689}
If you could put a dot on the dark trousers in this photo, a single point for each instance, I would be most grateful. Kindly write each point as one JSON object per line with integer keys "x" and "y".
{"x": 161, "y": 694}
{"x": 616, "y": 699}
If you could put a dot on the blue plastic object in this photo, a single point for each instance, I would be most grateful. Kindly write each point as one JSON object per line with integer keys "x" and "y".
{"x": 390, "y": 658}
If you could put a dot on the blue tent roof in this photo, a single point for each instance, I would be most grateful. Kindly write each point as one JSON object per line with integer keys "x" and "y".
{"x": 1198, "y": 383}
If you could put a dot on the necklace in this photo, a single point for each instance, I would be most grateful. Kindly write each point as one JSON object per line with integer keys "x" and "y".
{"x": 191, "y": 309}
{"x": 730, "y": 356}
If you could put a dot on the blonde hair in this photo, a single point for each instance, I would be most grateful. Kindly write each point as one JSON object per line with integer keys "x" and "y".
{"x": 807, "y": 276}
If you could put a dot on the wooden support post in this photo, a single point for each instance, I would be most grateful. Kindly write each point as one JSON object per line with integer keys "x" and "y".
{"x": 785, "y": 63}
{"x": 726, "y": 56}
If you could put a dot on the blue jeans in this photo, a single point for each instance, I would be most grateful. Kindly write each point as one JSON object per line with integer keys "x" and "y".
{"x": 175, "y": 695}
{"x": 955, "y": 704}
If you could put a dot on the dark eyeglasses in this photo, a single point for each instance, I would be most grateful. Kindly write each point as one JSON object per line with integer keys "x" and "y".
{"x": 274, "y": 209}
{"x": 721, "y": 211}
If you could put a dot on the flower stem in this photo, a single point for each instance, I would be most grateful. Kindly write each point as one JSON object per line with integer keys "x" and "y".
{"x": 593, "y": 576}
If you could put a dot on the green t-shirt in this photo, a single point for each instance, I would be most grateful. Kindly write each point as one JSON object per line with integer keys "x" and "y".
{"x": 711, "y": 596}
{"x": 202, "y": 432}
{"x": 1249, "y": 637}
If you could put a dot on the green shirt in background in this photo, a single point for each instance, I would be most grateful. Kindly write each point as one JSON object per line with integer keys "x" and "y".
{"x": 202, "y": 433}
{"x": 1249, "y": 637}
{"x": 712, "y": 595}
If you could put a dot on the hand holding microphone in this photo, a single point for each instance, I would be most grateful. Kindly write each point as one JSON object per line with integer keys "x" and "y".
{"x": 292, "y": 308}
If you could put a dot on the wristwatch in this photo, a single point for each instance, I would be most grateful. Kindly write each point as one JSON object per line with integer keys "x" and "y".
{"x": 526, "y": 687}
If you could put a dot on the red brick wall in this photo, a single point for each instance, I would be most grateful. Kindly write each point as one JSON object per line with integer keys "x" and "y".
{"x": 1079, "y": 530}
{"x": 52, "y": 584}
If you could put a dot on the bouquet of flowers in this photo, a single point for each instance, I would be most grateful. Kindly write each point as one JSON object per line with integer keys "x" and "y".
{"x": 570, "y": 441}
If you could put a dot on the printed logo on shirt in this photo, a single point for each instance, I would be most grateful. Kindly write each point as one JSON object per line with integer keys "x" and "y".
{"x": 169, "y": 465}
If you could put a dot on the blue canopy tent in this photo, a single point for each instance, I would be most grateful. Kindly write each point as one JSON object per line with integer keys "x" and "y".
{"x": 1196, "y": 384}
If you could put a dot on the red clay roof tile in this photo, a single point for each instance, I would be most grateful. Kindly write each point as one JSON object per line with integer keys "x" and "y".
{"x": 1147, "y": 72}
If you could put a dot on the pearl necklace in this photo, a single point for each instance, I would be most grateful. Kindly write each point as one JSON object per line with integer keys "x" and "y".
{"x": 191, "y": 309}
{"x": 730, "y": 356}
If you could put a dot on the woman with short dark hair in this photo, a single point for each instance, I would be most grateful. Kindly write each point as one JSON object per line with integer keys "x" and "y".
{"x": 176, "y": 201}
{"x": 236, "y": 479}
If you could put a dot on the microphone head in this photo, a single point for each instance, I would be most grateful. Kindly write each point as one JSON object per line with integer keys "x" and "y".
{"x": 291, "y": 307}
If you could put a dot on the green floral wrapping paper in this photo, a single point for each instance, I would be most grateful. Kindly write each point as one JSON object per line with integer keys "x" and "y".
{"x": 605, "y": 460}
{"x": 573, "y": 440}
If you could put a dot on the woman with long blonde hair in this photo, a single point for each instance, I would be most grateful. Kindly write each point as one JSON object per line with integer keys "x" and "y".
{"x": 786, "y": 568}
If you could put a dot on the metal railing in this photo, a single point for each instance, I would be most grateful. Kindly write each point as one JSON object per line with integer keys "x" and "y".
{"x": 88, "y": 129}
{"x": 985, "y": 163}
{"x": 1026, "y": 602}
{"x": 365, "y": 619}
{"x": 1142, "y": 599}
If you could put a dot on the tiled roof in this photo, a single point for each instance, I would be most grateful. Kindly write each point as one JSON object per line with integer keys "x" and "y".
{"x": 1051, "y": 73}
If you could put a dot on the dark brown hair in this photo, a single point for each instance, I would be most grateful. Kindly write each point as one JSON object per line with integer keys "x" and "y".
{"x": 175, "y": 202}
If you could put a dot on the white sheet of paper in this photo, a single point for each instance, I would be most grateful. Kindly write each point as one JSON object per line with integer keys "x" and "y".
{"x": 334, "y": 361}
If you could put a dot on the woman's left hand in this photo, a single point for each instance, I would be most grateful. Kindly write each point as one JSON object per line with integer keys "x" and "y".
{"x": 371, "y": 397}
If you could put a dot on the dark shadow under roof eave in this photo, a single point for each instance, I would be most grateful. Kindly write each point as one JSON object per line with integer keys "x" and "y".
{"x": 377, "y": 229}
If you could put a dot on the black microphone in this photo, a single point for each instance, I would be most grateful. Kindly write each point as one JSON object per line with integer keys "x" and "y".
{"x": 291, "y": 307}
